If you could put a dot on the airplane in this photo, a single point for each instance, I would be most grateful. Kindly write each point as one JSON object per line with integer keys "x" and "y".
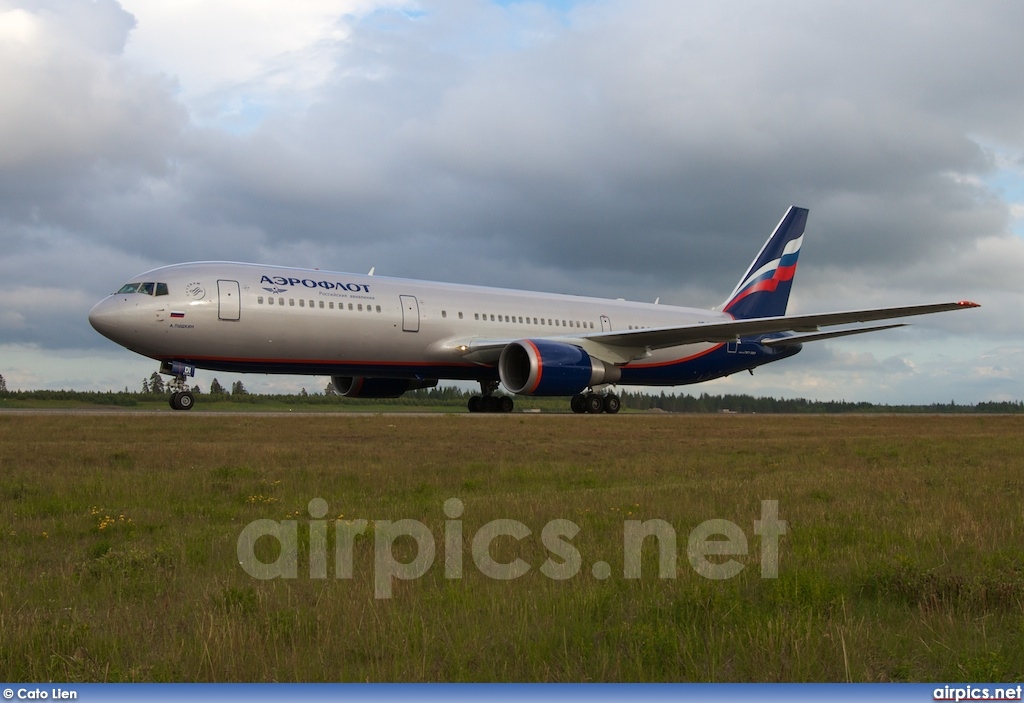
{"x": 379, "y": 337}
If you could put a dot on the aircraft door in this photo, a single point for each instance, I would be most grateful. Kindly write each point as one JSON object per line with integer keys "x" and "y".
{"x": 606, "y": 324}
{"x": 229, "y": 299}
{"x": 410, "y": 313}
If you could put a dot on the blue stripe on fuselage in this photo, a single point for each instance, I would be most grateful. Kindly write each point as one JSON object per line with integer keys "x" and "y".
{"x": 721, "y": 360}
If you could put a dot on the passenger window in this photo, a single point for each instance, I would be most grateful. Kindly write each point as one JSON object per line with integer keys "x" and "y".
{"x": 460, "y": 315}
{"x": 280, "y": 301}
{"x": 291, "y": 302}
{"x": 444, "y": 314}
{"x": 492, "y": 318}
{"x": 378, "y": 308}
{"x": 350, "y": 306}
{"x": 330, "y": 305}
{"x": 476, "y": 316}
{"x": 260, "y": 300}
{"x": 161, "y": 289}
{"x": 360, "y": 307}
{"x": 302, "y": 303}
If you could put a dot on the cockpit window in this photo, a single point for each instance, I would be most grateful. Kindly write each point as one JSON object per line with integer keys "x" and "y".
{"x": 148, "y": 288}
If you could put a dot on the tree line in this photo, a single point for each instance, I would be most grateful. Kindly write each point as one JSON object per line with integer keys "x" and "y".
{"x": 156, "y": 388}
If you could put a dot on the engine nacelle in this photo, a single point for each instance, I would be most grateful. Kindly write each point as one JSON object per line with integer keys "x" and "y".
{"x": 362, "y": 387}
{"x": 542, "y": 367}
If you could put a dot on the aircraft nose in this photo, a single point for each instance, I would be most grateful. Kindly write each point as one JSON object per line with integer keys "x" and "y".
{"x": 104, "y": 317}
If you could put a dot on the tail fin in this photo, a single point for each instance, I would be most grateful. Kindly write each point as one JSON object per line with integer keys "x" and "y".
{"x": 764, "y": 289}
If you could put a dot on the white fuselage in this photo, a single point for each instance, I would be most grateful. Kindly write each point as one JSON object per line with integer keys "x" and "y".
{"x": 247, "y": 317}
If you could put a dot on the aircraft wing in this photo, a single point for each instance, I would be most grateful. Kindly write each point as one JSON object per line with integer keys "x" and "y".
{"x": 621, "y": 346}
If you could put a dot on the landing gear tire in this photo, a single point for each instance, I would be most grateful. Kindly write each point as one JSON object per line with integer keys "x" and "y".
{"x": 594, "y": 403}
{"x": 578, "y": 404}
{"x": 475, "y": 403}
{"x": 505, "y": 404}
{"x": 183, "y": 400}
{"x": 612, "y": 404}
{"x": 186, "y": 400}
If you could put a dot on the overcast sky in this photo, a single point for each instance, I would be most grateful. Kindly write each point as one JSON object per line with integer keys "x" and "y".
{"x": 619, "y": 148}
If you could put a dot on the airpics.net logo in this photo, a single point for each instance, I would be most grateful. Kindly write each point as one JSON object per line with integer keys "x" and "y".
{"x": 710, "y": 547}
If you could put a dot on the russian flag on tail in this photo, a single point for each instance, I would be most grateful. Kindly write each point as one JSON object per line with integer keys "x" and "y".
{"x": 764, "y": 289}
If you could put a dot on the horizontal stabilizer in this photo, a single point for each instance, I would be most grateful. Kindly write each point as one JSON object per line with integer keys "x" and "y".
{"x": 818, "y": 336}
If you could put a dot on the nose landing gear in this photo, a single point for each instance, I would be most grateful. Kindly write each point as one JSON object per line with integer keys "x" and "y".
{"x": 181, "y": 397}
{"x": 182, "y": 400}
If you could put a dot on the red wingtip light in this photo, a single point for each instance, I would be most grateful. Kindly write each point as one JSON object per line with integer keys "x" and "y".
{"x": 968, "y": 304}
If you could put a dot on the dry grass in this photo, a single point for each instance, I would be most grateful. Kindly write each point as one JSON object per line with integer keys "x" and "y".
{"x": 904, "y": 558}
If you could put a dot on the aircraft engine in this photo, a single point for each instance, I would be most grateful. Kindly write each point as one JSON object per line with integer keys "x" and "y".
{"x": 362, "y": 387}
{"x": 542, "y": 367}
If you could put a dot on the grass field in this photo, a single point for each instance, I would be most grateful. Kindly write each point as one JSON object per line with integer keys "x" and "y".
{"x": 903, "y": 559}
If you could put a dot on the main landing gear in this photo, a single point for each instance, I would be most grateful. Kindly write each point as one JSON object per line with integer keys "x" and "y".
{"x": 592, "y": 403}
{"x": 488, "y": 402}
{"x": 595, "y": 403}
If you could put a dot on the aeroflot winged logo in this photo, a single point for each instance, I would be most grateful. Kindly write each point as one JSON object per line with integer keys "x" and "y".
{"x": 314, "y": 283}
{"x": 768, "y": 277}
